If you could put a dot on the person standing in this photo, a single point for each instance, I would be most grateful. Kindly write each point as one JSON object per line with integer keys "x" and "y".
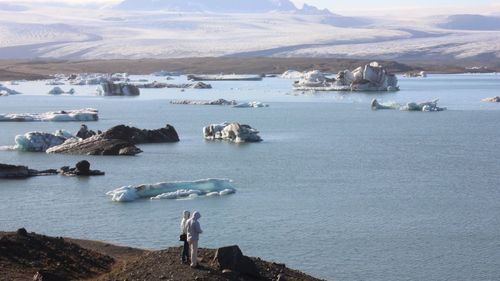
{"x": 183, "y": 237}
{"x": 193, "y": 235}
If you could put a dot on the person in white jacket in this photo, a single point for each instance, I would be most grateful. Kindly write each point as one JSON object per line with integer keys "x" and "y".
{"x": 185, "y": 248}
{"x": 193, "y": 235}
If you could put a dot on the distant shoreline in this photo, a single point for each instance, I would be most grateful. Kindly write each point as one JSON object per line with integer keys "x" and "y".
{"x": 43, "y": 69}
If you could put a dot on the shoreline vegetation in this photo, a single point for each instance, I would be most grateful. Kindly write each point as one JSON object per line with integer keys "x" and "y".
{"x": 36, "y": 69}
{"x": 29, "y": 256}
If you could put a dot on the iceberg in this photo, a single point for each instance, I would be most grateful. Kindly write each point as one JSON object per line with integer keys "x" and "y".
{"x": 109, "y": 88}
{"x": 88, "y": 79}
{"x": 411, "y": 106}
{"x": 158, "y": 85}
{"x": 58, "y": 91}
{"x": 202, "y": 102}
{"x": 40, "y": 142}
{"x": 4, "y": 91}
{"x": 492, "y": 99}
{"x": 251, "y": 104}
{"x": 173, "y": 190}
{"x": 371, "y": 77}
{"x": 292, "y": 74}
{"x": 88, "y": 114}
{"x": 224, "y": 77}
{"x": 55, "y": 82}
{"x": 233, "y": 132}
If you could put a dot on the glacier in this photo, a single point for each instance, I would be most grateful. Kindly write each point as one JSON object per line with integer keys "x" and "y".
{"x": 173, "y": 190}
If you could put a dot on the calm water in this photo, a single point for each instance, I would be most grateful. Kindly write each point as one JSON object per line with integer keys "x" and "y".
{"x": 336, "y": 190}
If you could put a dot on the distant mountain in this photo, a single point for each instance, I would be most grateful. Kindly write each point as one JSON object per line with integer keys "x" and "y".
{"x": 471, "y": 22}
{"x": 12, "y": 7}
{"x": 222, "y": 6}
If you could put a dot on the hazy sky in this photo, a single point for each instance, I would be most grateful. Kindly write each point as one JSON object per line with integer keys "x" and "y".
{"x": 363, "y": 7}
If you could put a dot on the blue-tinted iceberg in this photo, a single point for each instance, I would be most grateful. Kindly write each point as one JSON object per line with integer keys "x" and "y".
{"x": 40, "y": 142}
{"x": 173, "y": 190}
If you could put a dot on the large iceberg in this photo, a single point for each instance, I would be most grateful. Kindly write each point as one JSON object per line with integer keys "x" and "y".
{"x": 109, "y": 88}
{"x": 4, "y": 91}
{"x": 411, "y": 106}
{"x": 173, "y": 190}
{"x": 40, "y": 142}
{"x": 233, "y": 132}
{"x": 88, "y": 114}
{"x": 371, "y": 77}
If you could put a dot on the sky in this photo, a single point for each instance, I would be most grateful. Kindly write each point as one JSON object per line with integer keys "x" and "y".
{"x": 362, "y": 7}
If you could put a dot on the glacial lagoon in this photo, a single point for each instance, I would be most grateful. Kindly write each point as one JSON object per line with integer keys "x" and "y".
{"x": 334, "y": 189}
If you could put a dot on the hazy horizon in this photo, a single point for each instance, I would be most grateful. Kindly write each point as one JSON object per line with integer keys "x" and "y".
{"x": 345, "y": 7}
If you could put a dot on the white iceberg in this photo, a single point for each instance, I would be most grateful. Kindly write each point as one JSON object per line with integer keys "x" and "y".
{"x": 233, "y": 132}
{"x": 40, "y": 142}
{"x": 411, "y": 106}
{"x": 58, "y": 91}
{"x": 292, "y": 74}
{"x": 371, "y": 77}
{"x": 173, "y": 190}
{"x": 492, "y": 99}
{"x": 88, "y": 78}
{"x": 203, "y": 102}
{"x": 88, "y": 114}
{"x": 55, "y": 82}
{"x": 4, "y": 91}
{"x": 251, "y": 104}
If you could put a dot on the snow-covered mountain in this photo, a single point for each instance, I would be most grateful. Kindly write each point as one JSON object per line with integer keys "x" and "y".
{"x": 217, "y": 6}
{"x": 272, "y": 28}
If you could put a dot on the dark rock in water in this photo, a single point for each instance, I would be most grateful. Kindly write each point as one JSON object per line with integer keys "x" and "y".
{"x": 82, "y": 169}
{"x": 96, "y": 145}
{"x": 138, "y": 136}
{"x": 232, "y": 258}
{"x": 119, "y": 140}
{"x": 83, "y": 166}
{"x": 21, "y": 172}
{"x": 85, "y": 133}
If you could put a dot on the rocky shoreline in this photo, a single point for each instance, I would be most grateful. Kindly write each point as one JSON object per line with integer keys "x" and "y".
{"x": 31, "y": 256}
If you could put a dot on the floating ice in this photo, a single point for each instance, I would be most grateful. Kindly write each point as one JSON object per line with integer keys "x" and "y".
{"x": 371, "y": 77}
{"x": 203, "y": 102}
{"x": 492, "y": 99}
{"x": 58, "y": 91}
{"x": 4, "y": 91}
{"x": 411, "y": 106}
{"x": 173, "y": 190}
{"x": 292, "y": 74}
{"x": 40, "y": 142}
{"x": 88, "y": 114}
{"x": 233, "y": 132}
{"x": 251, "y": 104}
{"x": 109, "y": 88}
